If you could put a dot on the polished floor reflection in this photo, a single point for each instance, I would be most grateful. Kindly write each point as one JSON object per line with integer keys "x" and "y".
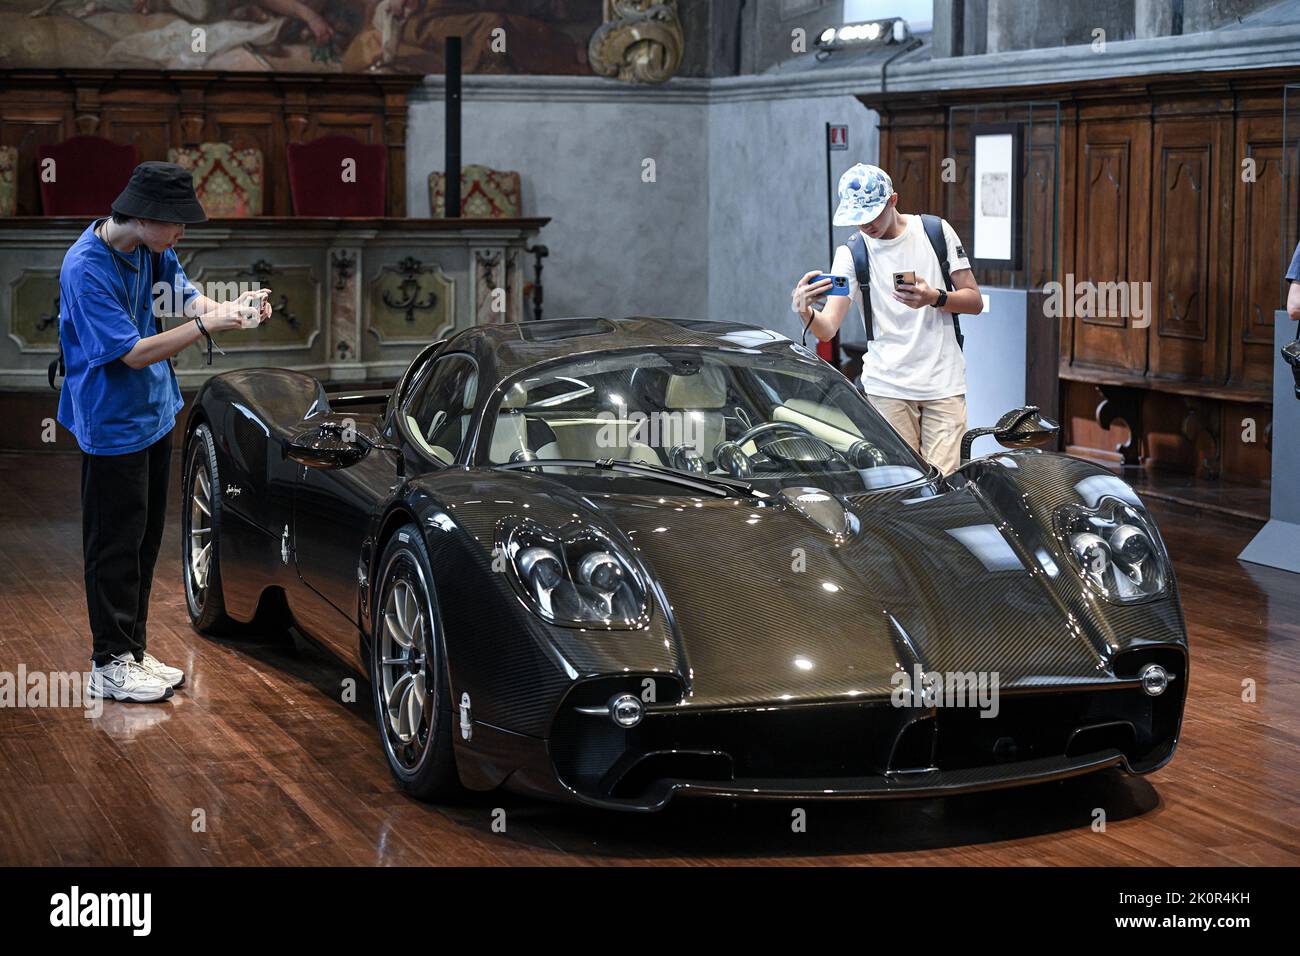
{"x": 259, "y": 760}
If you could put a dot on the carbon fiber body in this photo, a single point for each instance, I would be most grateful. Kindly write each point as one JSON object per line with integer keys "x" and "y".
{"x": 770, "y": 662}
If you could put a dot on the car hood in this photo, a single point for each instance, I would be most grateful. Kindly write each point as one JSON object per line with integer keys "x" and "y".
{"x": 807, "y": 597}
{"x": 814, "y": 595}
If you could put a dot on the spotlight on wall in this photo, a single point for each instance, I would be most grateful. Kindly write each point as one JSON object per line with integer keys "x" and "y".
{"x": 866, "y": 33}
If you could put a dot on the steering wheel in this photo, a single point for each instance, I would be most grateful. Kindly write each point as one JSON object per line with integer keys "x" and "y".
{"x": 764, "y": 427}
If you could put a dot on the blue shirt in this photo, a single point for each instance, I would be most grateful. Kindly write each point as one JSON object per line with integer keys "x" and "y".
{"x": 106, "y": 302}
{"x": 1293, "y": 274}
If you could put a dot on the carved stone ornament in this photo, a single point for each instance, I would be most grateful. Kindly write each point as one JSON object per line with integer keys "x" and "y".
{"x": 641, "y": 41}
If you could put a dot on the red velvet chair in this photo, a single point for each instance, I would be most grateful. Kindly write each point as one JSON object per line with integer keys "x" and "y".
{"x": 89, "y": 173}
{"x": 316, "y": 177}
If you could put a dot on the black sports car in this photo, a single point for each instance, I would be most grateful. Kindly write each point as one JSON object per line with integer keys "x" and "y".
{"x": 612, "y": 561}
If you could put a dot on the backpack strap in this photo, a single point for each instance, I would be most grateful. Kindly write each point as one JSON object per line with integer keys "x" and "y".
{"x": 939, "y": 242}
{"x": 56, "y": 368}
{"x": 862, "y": 267}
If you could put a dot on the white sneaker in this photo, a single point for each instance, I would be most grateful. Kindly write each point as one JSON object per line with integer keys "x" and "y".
{"x": 123, "y": 678}
{"x": 171, "y": 676}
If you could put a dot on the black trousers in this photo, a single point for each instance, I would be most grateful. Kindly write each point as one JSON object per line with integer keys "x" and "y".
{"x": 123, "y": 509}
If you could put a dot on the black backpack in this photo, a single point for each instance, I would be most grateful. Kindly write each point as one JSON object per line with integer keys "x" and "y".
{"x": 858, "y": 247}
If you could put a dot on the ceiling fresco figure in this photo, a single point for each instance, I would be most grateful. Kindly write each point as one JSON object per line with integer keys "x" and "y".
{"x": 540, "y": 36}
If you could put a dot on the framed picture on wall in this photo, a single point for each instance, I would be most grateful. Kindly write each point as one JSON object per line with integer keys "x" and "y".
{"x": 996, "y": 196}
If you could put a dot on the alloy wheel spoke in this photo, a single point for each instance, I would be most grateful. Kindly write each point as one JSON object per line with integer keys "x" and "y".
{"x": 397, "y": 705}
{"x": 403, "y": 635}
{"x": 415, "y": 704}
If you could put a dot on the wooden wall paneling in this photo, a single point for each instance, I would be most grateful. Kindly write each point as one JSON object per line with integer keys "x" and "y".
{"x": 87, "y": 105}
{"x": 912, "y": 158}
{"x": 1082, "y": 434}
{"x": 913, "y": 151}
{"x": 1040, "y": 192}
{"x": 1257, "y": 262}
{"x": 1189, "y": 253}
{"x": 157, "y": 110}
{"x": 1133, "y": 209}
{"x": 1113, "y": 208}
{"x": 1067, "y": 230}
{"x": 955, "y": 196}
{"x": 191, "y": 108}
{"x": 1179, "y": 433}
{"x": 366, "y": 129}
{"x": 1243, "y": 459}
{"x": 394, "y": 135}
{"x": 27, "y": 128}
{"x": 152, "y": 131}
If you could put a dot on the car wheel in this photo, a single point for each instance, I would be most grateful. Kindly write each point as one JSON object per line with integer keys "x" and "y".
{"x": 408, "y": 668}
{"x": 200, "y": 536}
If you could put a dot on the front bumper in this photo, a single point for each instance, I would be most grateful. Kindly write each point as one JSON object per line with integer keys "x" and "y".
{"x": 931, "y": 783}
{"x": 852, "y": 750}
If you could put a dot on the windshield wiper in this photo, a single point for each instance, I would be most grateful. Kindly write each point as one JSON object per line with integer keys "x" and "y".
{"x": 709, "y": 484}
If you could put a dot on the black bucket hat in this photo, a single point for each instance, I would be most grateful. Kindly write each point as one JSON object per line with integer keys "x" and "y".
{"x": 161, "y": 191}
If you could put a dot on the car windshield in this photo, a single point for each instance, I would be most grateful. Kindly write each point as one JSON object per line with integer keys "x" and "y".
{"x": 786, "y": 418}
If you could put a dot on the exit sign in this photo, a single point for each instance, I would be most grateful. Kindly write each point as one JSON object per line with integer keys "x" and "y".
{"x": 838, "y": 137}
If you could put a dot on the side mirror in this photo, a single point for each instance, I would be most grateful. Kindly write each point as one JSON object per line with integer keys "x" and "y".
{"x": 329, "y": 445}
{"x": 1023, "y": 427}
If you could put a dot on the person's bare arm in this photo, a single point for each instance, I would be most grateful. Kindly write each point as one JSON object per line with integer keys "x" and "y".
{"x": 155, "y": 348}
{"x": 1293, "y": 301}
{"x": 215, "y": 316}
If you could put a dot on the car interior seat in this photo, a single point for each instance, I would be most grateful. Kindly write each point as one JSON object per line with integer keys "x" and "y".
{"x": 517, "y": 433}
{"x": 700, "y": 398}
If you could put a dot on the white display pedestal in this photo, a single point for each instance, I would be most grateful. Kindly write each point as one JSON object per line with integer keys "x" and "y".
{"x": 1278, "y": 543}
{"x": 995, "y": 362}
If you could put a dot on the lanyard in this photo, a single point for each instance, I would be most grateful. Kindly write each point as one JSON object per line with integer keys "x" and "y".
{"x": 134, "y": 292}
{"x": 135, "y": 289}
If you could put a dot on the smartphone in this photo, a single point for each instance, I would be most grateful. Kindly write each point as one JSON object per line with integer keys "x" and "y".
{"x": 839, "y": 284}
{"x": 908, "y": 277}
{"x": 250, "y": 318}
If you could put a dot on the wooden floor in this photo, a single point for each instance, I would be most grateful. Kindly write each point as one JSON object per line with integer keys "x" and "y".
{"x": 261, "y": 751}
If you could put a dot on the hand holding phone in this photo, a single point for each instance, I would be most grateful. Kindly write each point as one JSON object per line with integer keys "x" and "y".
{"x": 839, "y": 284}
{"x": 253, "y": 308}
{"x": 811, "y": 287}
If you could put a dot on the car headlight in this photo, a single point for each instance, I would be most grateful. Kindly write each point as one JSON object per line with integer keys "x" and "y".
{"x": 575, "y": 577}
{"x": 1115, "y": 548}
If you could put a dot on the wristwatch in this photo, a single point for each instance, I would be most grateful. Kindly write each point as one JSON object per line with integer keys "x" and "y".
{"x": 943, "y": 297}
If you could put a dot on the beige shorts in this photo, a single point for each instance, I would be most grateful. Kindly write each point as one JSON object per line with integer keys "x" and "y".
{"x": 934, "y": 428}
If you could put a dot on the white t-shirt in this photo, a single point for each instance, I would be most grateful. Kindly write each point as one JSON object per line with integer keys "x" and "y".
{"x": 914, "y": 353}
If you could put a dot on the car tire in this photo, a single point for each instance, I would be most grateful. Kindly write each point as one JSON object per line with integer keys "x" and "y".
{"x": 201, "y": 529}
{"x": 409, "y": 673}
